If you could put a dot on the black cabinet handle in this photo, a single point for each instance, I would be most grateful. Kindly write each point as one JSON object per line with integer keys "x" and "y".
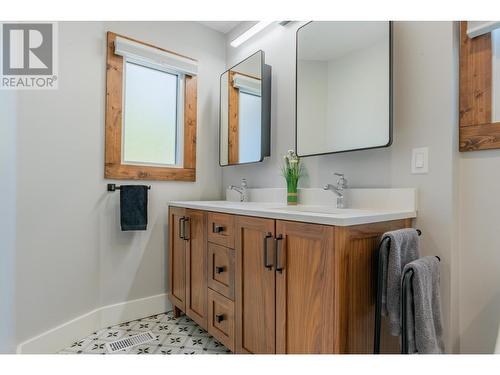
{"x": 219, "y": 318}
{"x": 181, "y": 227}
{"x": 266, "y": 252}
{"x": 217, "y": 228}
{"x": 219, "y": 269}
{"x": 280, "y": 263}
{"x": 186, "y": 234}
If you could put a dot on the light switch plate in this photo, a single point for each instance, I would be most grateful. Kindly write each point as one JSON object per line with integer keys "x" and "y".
{"x": 420, "y": 160}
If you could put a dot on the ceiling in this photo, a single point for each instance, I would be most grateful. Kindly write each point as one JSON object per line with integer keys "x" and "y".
{"x": 221, "y": 26}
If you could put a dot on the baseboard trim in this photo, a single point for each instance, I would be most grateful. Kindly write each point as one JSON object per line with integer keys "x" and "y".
{"x": 63, "y": 335}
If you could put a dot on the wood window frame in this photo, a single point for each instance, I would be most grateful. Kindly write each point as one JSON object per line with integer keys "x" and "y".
{"x": 477, "y": 130}
{"x": 114, "y": 168}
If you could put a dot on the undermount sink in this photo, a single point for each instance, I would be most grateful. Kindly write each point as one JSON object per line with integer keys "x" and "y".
{"x": 318, "y": 209}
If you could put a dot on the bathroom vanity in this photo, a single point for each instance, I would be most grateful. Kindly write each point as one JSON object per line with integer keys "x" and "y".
{"x": 262, "y": 277}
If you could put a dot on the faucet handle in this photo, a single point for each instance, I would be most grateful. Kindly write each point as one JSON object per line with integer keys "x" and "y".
{"x": 244, "y": 182}
{"x": 342, "y": 182}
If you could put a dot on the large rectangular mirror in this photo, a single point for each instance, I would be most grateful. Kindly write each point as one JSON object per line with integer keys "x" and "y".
{"x": 245, "y": 112}
{"x": 344, "y": 87}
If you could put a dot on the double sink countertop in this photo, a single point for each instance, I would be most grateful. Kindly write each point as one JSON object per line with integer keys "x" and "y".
{"x": 317, "y": 206}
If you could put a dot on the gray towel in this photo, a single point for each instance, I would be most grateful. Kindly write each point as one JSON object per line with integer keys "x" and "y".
{"x": 402, "y": 250}
{"x": 424, "y": 325}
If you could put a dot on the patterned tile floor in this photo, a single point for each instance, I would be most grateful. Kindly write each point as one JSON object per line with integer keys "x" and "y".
{"x": 173, "y": 336}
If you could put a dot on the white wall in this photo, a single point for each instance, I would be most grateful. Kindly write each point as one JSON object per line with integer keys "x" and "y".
{"x": 71, "y": 255}
{"x": 425, "y": 111}
{"x": 479, "y": 275}
{"x": 7, "y": 219}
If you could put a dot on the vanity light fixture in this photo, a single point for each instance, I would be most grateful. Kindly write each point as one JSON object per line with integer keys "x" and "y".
{"x": 258, "y": 27}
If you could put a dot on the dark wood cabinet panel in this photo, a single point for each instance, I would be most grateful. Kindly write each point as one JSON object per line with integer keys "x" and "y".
{"x": 221, "y": 318}
{"x": 355, "y": 266}
{"x": 221, "y": 229}
{"x": 255, "y": 287}
{"x": 196, "y": 266}
{"x": 176, "y": 259}
{"x": 304, "y": 288}
{"x": 221, "y": 270}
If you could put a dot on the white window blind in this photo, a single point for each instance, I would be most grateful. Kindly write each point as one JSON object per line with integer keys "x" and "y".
{"x": 247, "y": 84}
{"x": 477, "y": 28}
{"x": 154, "y": 57}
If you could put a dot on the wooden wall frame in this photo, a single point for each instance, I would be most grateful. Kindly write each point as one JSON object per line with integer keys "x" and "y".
{"x": 477, "y": 130}
{"x": 113, "y": 167}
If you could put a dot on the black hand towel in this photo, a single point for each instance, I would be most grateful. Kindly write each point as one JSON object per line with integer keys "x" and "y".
{"x": 134, "y": 207}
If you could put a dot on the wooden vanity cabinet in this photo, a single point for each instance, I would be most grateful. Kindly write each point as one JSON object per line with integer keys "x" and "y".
{"x": 298, "y": 287}
{"x": 188, "y": 263}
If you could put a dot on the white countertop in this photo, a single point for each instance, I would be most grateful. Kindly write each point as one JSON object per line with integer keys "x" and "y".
{"x": 332, "y": 216}
{"x": 317, "y": 206}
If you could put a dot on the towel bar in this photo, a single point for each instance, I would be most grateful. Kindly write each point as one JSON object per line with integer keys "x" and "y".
{"x": 114, "y": 187}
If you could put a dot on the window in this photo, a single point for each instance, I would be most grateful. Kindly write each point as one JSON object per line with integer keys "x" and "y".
{"x": 150, "y": 112}
{"x": 150, "y": 119}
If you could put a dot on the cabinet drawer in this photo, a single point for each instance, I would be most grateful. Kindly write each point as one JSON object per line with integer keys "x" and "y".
{"x": 221, "y": 229}
{"x": 221, "y": 318}
{"x": 221, "y": 270}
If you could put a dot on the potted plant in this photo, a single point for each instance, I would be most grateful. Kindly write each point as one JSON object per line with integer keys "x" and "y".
{"x": 292, "y": 171}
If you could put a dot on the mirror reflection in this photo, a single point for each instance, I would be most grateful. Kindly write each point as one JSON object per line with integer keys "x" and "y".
{"x": 495, "y": 52}
{"x": 241, "y": 119}
{"x": 343, "y": 87}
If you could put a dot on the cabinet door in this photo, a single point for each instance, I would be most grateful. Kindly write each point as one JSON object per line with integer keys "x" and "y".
{"x": 304, "y": 288}
{"x": 255, "y": 286}
{"x": 196, "y": 266}
{"x": 177, "y": 258}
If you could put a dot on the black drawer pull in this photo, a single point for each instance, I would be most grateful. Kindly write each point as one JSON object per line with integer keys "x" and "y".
{"x": 219, "y": 318}
{"x": 182, "y": 228}
{"x": 186, "y": 234}
{"x": 266, "y": 252}
{"x": 217, "y": 228}
{"x": 219, "y": 269}
{"x": 280, "y": 254}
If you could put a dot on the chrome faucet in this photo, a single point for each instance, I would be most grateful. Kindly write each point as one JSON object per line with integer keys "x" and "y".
{"x": 339, "y": 189}
{"x": 242, "y": 190}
